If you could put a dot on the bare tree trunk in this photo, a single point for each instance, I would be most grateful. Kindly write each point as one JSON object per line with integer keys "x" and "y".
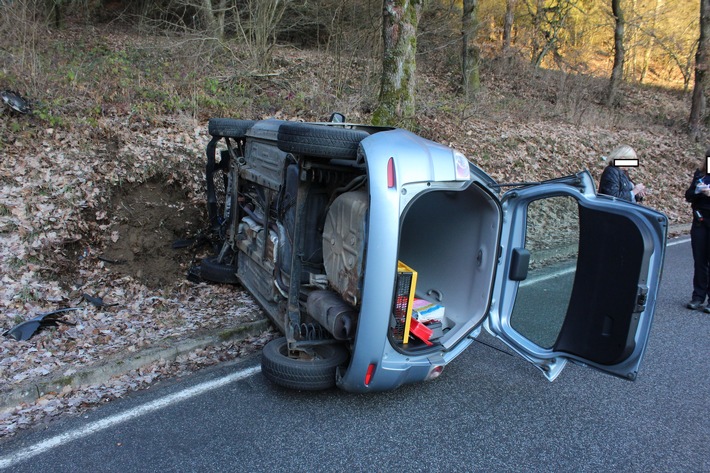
{"x": 631, "y": 46}
{"x": 257, "y": 22}
{"x": 208, "y": 17}
{"x": 651, "y": 41}
{"x": 537, "y": 20}
{"x": 399, "y": 33}
{"x": 55, "y": 10}
{"x": 543, "y": 52}
{"x": 470, "y": 53}
{"x": 549, "y": 22}
{"x": 212, "y": 16}
{"x": 617, "y": 71}
{"x": 219, "y": 17}
{"x": 508, "y": 25}
{"x": 697, "y": 109}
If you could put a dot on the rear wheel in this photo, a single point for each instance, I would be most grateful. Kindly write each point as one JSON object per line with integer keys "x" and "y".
{"x": 320, "y": 141}
{"x": 307, "y": 373}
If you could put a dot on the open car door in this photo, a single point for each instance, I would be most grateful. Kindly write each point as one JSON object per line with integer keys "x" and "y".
{"x": 577, "y": 277}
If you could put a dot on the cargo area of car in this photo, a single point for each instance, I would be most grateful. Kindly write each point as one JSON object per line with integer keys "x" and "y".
{"x": 449, "y": 239}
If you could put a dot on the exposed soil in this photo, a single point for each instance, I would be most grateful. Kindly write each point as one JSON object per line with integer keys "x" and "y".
{"x": 152, "y": 234}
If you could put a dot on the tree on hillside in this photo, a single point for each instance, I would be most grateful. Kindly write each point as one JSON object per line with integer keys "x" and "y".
{"x": 617, "y": 70}
{"x": 658, "y": 6}
{"x": 536, "y": 11}
{"x": 55, "y": 9}
{"x": 673, "y": 54}
{"x": 697, "y": 109}
{"x": 213, "y": 16}
{"x": 470, "y": 54}
{"x": 508, "y": 25}
{"x": 549, "y": 21}
{"x": 257, "y": 22}
{"x": 399, "y": 33}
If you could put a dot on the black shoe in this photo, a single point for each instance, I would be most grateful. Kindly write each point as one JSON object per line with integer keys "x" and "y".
{"x": 706, "y": 310}
{"x": 696, "y": 304}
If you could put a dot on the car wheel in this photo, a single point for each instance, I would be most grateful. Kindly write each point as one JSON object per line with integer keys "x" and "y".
{"x": 306, "y": 374}
{"x": 320, "y": 141}
{"x": 214, "y": 271}
{"x": 229, "y": 127}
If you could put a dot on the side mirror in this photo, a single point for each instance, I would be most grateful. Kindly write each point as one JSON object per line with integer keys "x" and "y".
{"x": 337, "y": 118}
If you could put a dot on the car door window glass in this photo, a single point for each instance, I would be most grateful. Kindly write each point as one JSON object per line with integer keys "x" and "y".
{"x": 552, "y": 238}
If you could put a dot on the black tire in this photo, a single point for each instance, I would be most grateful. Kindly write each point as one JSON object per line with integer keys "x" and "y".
{"x": 229, "y": 127}
{"x": 303, "y": 375}
{"x": 320, "y": 141}
{"x": 211, "y": 270}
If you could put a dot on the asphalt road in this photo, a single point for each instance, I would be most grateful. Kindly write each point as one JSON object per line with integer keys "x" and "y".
{"x": 489, "y": 411}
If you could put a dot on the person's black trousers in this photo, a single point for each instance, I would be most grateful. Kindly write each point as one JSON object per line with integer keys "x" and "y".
{"x": 700, "y": 242}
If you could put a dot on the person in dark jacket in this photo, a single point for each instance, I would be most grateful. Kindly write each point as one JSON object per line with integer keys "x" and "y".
{"x": 615, "y": 179}
{"x": 698, "y": 194}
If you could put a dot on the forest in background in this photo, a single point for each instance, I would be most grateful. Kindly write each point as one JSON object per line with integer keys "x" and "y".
{"x": 572, "y": 36}
{"x": 96, "y": 69}
{"x": 99, "y": 71}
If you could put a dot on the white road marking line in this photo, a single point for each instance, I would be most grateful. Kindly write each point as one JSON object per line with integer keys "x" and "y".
{"x": 677, "y": 242}
{"x": 564, "y": 272}
{"x": 546, "y": 277}
{"x": 99, "y": 425}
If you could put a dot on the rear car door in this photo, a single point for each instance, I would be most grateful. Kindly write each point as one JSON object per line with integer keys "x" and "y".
{"x": 577, "y": 277}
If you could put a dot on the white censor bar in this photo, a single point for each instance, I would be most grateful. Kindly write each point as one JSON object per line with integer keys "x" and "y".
{"x": 633, "y": 163}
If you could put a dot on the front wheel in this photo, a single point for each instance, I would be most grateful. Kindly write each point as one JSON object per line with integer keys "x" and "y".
{"x": 229, "y": 127}
{"x": 211, "y": 269}
{"x": 306, "y": 373}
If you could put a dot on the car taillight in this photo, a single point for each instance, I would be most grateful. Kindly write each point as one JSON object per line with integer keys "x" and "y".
{"x": 370, "y": 372}
{"x": 391, "y": 182}
{"x": 434, "y": 373}
{"x": 463, "y": 172}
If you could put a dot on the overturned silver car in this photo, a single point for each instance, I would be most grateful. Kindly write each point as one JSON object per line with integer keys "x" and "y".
{"x": 381, "y": 256}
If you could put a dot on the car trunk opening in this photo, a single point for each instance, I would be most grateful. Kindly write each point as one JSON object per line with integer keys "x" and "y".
{"x": 450, "y": 239}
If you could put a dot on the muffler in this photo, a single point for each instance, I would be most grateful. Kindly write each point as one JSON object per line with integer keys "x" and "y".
{"x": 333, "y": 313}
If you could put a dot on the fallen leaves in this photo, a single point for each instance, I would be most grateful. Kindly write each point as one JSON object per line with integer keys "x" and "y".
{"x": 55, "y": 219}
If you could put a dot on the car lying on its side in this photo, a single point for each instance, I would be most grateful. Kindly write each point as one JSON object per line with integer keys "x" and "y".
{"x": 381, "y": 255}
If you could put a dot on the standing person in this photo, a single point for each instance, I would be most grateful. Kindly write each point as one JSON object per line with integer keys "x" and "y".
{"x": 615, "y": 179}
{"x": 698, "y": 194}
